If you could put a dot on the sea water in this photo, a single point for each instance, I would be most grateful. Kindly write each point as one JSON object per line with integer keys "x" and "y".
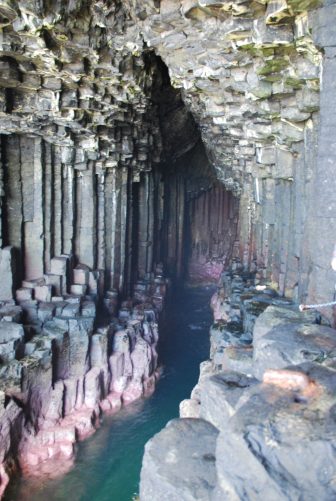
{"x": 108, "y": 464}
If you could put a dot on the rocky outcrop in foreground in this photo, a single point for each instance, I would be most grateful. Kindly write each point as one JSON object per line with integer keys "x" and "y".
{"x": 260, "y": 423}
{"x": 59, "y": 372}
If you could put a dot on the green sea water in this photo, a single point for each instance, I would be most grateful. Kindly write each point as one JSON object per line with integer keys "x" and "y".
{"x": 107, "y": 466}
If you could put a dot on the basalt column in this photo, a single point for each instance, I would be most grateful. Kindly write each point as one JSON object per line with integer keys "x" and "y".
{"x": 94, "y": 214}
{"x": 213, "y": 218}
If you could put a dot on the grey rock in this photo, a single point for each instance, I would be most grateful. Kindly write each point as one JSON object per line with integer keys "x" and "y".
{"x": 293, "y": 344}
{"x": 221, "y": 395}
{"x": 6, "y": 273}
{"x": 180, "y": 473}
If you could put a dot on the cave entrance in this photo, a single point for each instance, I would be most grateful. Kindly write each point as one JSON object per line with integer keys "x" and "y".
{"x": 150, "y": 203}
{"x": 195, "y": 218}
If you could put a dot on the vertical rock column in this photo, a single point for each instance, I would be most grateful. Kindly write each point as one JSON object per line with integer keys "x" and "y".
{"x": 123, "y": 225}
{"x": 143, "y": 232}
{"x": 322, "y": 214}
{"x": 213, "y": 220}
{"x": 2, "y": 193}
{"x": 57, "y": 201}
{"x": 32, "y": 191}
{"x": 48, "y": 204}
{"x": 86, "y": 238}
{"x": 68, "y": 208}
{"x": 14, "y": 202}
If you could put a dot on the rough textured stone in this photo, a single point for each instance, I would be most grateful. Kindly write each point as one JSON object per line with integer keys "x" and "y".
{"x": 194, "y": 133}
{"x": 6, "y": 273}
{"x": 172, "y": 472}
{"x": 276, "y": 435}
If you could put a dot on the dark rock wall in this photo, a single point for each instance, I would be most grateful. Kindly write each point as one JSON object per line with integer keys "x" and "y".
{"x": 110, "y": 164}
{"x": 213, "y": 218}
{"x": 79, "y": 86}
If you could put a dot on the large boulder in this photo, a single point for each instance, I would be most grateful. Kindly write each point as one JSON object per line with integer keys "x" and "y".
{"x": 281, "y": 443}
{"x": 293, "y": 343}
{"x": 220, "y": 395}
{"x": 171, "y": 472}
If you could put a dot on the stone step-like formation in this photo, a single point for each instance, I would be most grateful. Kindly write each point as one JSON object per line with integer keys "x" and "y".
{"x": 60, "y": 372}
{"x": 108, "y": 154}
{"x": 268, "y": 395}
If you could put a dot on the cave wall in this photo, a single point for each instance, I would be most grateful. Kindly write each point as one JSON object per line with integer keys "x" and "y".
{"x": 117, "y": 165}
{"x": 212, "y": 239}
{"x": 78, "y": 95}
{"x": 258, "y": 78}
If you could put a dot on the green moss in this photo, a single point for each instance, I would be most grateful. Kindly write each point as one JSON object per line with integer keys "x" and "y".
{"x": 313, "y": 84}
{"x": 273, "y": 66}
{"x": 299, "y": 6}
{"x": 273, "y": 78}
{"x": 295, "y": 83}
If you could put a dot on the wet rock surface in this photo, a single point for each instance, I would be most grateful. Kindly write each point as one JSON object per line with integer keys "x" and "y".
{"x": 273, "y": 412}
{"x": 172, "y": 472}
{"x": 192, "y": 134}
{"x": 60, "y": 372}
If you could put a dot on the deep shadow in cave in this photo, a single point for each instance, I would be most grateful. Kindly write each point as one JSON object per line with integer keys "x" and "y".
{"x": 174, "y": 218}
{"x": 196, "y": 218}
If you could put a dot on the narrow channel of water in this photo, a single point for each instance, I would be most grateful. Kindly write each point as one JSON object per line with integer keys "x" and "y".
{"x": 108, "y": 464}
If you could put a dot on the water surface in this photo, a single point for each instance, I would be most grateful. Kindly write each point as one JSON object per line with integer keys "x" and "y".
{"x": 108, "y": 464}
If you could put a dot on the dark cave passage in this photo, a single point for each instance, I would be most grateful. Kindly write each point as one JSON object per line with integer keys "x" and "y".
{"x": 119, "y": 222}
{"x": 90, "y": 247}
{"x": 152, "y": 152}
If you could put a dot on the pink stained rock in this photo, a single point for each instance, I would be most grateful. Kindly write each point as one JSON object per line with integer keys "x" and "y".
{"x": 70, "y": 395}
{"x": 43, "y": 293}
{"x": 286, "y": 379}
{"x": 4, "y": 479}
{"x": 92, "y": 388}
{"x": 65, "y": 433}
{"x": 81, "y": 274}
{"x": 105, "y": 406}
{"x": 204, "y": 272}
{"x": 53, "y": 411}
{"x": 149, "y": 386}
{"x": 66, "y": 449}
{"x": 133, "y": 392}
{"x": 141, "y": 360}
{"x": 121, "y": 370}
{"x": 85, "y": 421}
{"x": 115, "y": 400}
{"x": 111, "y": 404}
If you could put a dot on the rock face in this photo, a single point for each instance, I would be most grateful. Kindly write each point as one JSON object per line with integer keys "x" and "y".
{"x": 272, "y": 405}
{"x": 87, "y": 113}
{"x": 165, "y": 461}
{"x": 61, "y": 372}
{"x": 146, "y": 138}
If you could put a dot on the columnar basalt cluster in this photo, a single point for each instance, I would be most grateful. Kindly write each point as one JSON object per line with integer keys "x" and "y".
{"x": 97, "y": 190}
{"x": 251, "y": 72}
{"x": 60, "y": 372}
{"x": 141, "y": 139}
{"x": 260, "y": 422}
